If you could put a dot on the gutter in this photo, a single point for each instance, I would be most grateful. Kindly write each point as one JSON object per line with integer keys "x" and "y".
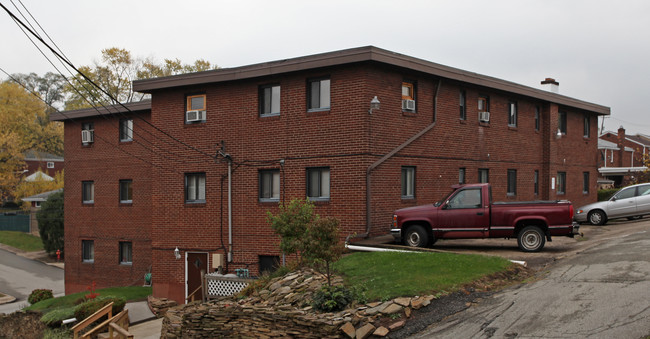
{"x": 388, "y": 156}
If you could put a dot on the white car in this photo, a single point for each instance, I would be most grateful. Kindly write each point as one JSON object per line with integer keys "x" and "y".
{"x": 630, "y": 202}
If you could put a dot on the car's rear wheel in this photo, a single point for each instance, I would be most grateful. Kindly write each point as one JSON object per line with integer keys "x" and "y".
{"x": 531, "y": 239}
{"x": 416, "y": 236}
{"x": 597, "y": 217}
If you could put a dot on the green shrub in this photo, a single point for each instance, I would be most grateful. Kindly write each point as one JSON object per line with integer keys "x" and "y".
{"x": 332, "y": 298}
{"x": 606, "y": 194}
{"x": 91, "y": 306}
{"x": 55, "y": 317}
{"x": 39, "y": 295}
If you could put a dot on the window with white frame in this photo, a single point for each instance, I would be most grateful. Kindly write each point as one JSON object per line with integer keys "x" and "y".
{"x": 87, "y": 133}
{"x": 126, "y": 253}
{"x": 50, "y": 164}
{"x": 269, "y": 185}
{"x": 319, "y": 94}
{"x": 269, "y": 96}
{"x": 126, "y": 191}
{"x": 88, "y": 192}
{"x": 408, "y": 182}
{"x": 126, "y": 130}
{"x": 88, "y": 251}
{"x": 195, "y": 187}
{"x": 408, "y": 96}
{"x": 318, "y": 183}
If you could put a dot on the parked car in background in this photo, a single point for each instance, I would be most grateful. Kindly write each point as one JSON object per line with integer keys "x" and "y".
{"x": 630, "y": 202}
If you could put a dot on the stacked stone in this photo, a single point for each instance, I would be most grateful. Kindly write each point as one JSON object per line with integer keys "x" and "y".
{"x": 283, "y": 309}
{"x": 159, "y": 306}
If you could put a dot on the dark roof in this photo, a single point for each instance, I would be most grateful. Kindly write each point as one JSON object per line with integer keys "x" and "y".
{"x": 138, "y": 106}
{"x": 355, "y": 55}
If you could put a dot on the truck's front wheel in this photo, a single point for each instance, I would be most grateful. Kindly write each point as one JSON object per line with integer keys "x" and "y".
{"x": 416, "y": 236}
{"x": 531, "y": 239}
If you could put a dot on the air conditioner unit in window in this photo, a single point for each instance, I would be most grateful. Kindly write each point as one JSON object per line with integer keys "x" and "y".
{"x": 408, "y": 105}
{"x": 484, "y": 116}
{"x": 192, "y": 116}
{"x": 86, "y": 136}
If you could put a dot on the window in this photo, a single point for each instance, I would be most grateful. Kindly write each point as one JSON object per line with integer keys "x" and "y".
{"x": 126, "y": 191}
{"x": 483, "y": 175}
{"x": 561, "y": 122}
{"x": 269, "y": 185}
{"x": 512, "y": 182}
{"x": 536, "y": 182}
{"x": 408, "y": 182}
{"x": 195, "y": 108}
{"x": 319, "y": 95}
{"x": 88, "y": 251}
{"x": 561, "y": 182}
{"x": 269, "y": 100}
{"x": 483, "y": 103}
{"x": 408, "y": 96}
{"x": 87, "y": 133}
{"x": 537, "y": 118}
{"x": 463, "y": 109}
{"x": 126, "y": 130}
{"x": 512, "y": 114}
{"x": 587, "y": 126}
{"x": 468, "y": 198}
{"x": 627, "y": 193}
{"x": 195, "y": 187}
{"x": 585, "y": 182}
{"x": 461, "y": 175}
{"x": 126, "y": 253}
{"x": 269, "y": 263}
{"x": 88, "y": 192}
{"x": 50, "y": 164}
{"x": 318, "y": 183}
{"x": 37, "y": 204}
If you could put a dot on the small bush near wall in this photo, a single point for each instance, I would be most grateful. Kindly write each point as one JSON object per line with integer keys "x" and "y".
{"x": 39, "y": 295}
{"x": 606, "y": 194}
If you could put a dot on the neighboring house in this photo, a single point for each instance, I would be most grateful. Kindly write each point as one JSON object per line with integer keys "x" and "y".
{"x": 621, "y": 155}
{"x": 47, "y": 163}
{"x": 184, "y": 182}
{"x": 36, "y": 201}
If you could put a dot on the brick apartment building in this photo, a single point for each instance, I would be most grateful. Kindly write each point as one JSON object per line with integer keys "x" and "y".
{"x": 622, "y": 155}
{"x": 294, "y": 128}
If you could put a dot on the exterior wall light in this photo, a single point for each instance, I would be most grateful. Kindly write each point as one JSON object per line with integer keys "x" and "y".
{"x": 374, "y": 104}
{"x": 177, "y": 253}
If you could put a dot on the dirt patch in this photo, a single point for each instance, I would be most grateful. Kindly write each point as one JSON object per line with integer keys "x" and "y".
{"x": 453, "y": 303}
{"x": 21, "y": 324}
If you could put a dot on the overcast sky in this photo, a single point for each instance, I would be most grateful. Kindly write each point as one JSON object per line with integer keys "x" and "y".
{"x": 599, "y": 51}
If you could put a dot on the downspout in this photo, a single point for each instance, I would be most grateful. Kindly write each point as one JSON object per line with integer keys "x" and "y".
{"x": 388, "y": 156}
{"x": 229, "y": 209}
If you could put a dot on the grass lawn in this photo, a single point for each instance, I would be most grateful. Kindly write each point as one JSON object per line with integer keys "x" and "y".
{"x": 131, "y": 293}
{"x": 386, "y": 275}
{"x": 21, "y": 240}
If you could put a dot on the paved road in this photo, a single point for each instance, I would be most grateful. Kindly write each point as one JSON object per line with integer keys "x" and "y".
{"x": 20, "y": 276}
{"x": 600, "y": 292}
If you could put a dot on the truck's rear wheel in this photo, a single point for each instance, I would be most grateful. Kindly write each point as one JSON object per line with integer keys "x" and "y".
{"x": 416, "y": 236}
{"x": 531, "y": 239}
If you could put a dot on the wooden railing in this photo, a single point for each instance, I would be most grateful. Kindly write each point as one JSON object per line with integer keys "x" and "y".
{"x": 108, "y": 309}
{"x": 118, "y": 326}
{"x": 195, "y": 293}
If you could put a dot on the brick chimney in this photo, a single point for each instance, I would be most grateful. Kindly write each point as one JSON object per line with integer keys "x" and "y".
{"x": 551, "y": 85}
{"x": 620, "y": 143}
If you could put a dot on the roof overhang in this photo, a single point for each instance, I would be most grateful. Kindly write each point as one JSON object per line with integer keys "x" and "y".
{"x": 621, "y": 170}
{"x": 130, "y": 107}
{"x": 357, "y": 55}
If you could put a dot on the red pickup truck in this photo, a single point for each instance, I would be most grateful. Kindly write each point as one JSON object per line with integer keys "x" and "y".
{"x": 468, "y": 213}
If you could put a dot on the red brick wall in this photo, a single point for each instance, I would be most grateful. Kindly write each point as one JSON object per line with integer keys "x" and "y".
{"x": 107, "y": 222}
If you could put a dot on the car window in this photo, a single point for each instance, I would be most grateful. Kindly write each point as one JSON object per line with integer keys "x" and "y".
{"x": 625, "y": 193}
{"x": 644, "y": 190}
{"x": 470, "y": 198}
